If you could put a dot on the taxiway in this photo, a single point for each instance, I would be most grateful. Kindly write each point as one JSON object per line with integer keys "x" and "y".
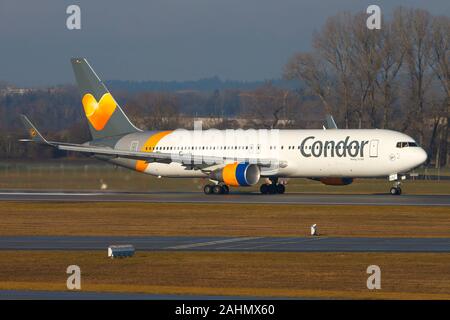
{"x": 199, "y": 197}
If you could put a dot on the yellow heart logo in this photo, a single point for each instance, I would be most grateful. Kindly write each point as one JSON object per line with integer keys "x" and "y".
{"x": 98, "y": 113}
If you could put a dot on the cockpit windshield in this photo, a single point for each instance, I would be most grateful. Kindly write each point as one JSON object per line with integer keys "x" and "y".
{"x": 406, "y": 144}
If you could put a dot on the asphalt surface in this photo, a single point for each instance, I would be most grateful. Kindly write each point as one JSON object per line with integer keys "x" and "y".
{"x": 199, "y": 197}
{"x": 240, "y": 244}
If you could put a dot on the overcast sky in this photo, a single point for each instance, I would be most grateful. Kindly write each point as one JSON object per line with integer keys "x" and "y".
{"x": 166, "y": 39}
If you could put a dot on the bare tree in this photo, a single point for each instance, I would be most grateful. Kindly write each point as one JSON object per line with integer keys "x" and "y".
{"x": 440, "y": 52}
{"x": 160, "y": 110}
{"x": 307, "y": 68}
{"x": 415, "y": 36}
{"x": 366, "y": 63}
{"x": 333, "y": 43}
{"x": 268, "y": 105}
{"x": 391, "y": 62}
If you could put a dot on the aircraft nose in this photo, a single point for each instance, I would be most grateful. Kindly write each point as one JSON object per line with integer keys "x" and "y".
{"x": 422, "y": 156}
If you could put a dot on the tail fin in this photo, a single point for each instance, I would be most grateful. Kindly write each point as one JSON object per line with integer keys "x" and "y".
{"x": 105, "y": 117}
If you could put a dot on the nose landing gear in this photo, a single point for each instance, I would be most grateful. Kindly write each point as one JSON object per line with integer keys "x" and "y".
{"x": 396, "y": 190}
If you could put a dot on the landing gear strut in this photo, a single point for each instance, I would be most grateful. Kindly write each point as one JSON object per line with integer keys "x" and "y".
{"x": 272, "y": 188}
{"x": 396, "y": 190}
{"x": 216, "y": 189}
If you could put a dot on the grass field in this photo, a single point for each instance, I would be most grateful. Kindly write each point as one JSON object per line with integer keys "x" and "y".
{"x": 314, "y": 275}
{"x": 171, "y": 219}
{"x": 89, "y": 175}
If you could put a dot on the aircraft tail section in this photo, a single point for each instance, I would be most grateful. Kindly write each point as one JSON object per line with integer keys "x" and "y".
{"x": 35, "y": 135}
{"x": 105, "y": 117}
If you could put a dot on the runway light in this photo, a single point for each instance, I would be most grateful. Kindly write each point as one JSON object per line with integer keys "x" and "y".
{"x": 120, "y": 251}
{"x": 103, "y": 185}
{"x": 314, "y": 231}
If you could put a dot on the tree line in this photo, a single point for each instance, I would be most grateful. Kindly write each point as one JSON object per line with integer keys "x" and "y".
{"x": 395, "y": 78}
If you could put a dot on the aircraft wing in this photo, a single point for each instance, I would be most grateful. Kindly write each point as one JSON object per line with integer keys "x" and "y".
{"x": 186, "y": 159}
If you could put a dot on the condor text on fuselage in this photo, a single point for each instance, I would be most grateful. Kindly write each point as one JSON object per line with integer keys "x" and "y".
{"x": 310, "y": 147}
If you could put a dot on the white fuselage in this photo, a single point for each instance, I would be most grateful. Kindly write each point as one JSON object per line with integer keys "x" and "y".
{"x": 306, "y": 153}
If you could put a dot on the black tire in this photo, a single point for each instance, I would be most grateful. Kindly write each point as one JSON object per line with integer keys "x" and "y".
{"x": 272, "y": 188}
{"x": 217, "y": 189}
{"x": 225, "y": 189}
{"x": 281, "y": 188}
{"x": 395, "y": 191}
{"x": 207, "y": 189}
{"x": 399, "y": 191}
{"x": 264, "y": 188}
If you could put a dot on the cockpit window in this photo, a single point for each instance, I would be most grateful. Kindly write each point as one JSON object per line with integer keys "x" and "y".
{"x": 406, "y": 144}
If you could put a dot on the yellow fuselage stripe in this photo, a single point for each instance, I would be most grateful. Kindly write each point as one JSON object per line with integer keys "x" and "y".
{"x": 149, "y": 146}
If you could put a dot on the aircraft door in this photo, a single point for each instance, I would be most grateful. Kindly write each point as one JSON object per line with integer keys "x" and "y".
{"x": 374, "y": 148}
{"x": 134, "y": 145}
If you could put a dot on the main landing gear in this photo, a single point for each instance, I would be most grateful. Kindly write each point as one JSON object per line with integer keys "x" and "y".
{"x": 272, "y": 188}
{"x": 216, "y": 189}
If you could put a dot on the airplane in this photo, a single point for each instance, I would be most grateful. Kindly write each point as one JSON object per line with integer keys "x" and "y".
{"x": 233, "y": 158}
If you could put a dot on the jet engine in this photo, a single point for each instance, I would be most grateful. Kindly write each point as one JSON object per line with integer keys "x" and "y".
{"x": 237, "y": 174}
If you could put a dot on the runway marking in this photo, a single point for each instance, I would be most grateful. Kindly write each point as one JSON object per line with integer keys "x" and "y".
{"x": 241, "y": 202}
{"x": 209, "y": 243}
{"x": 50, "y": 194}
{"x": 264, "y": 244}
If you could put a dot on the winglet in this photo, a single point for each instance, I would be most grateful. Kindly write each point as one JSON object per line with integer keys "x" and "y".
{"x": 330, "y": 123}
{"x": 35, "y": 135}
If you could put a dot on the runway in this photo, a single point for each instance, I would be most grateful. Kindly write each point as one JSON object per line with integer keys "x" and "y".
{"x": 199, "y": 197}
{"x": 239, "y": 244}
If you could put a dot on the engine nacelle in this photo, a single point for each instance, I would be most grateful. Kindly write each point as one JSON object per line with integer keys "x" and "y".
{"x": 237, "y": 174}
{"x": 336, "y": 181}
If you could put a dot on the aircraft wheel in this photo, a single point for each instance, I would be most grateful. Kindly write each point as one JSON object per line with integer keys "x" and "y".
{"x": 208, "y": 189}
{"x": 217, "y": 189}
{"x": 281, "y": 188}
{"x": 264, "y": 188}
{"x": 396, "y": 191}
{"x": 272, "y": 188}
{"x": 225, "y": 189}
